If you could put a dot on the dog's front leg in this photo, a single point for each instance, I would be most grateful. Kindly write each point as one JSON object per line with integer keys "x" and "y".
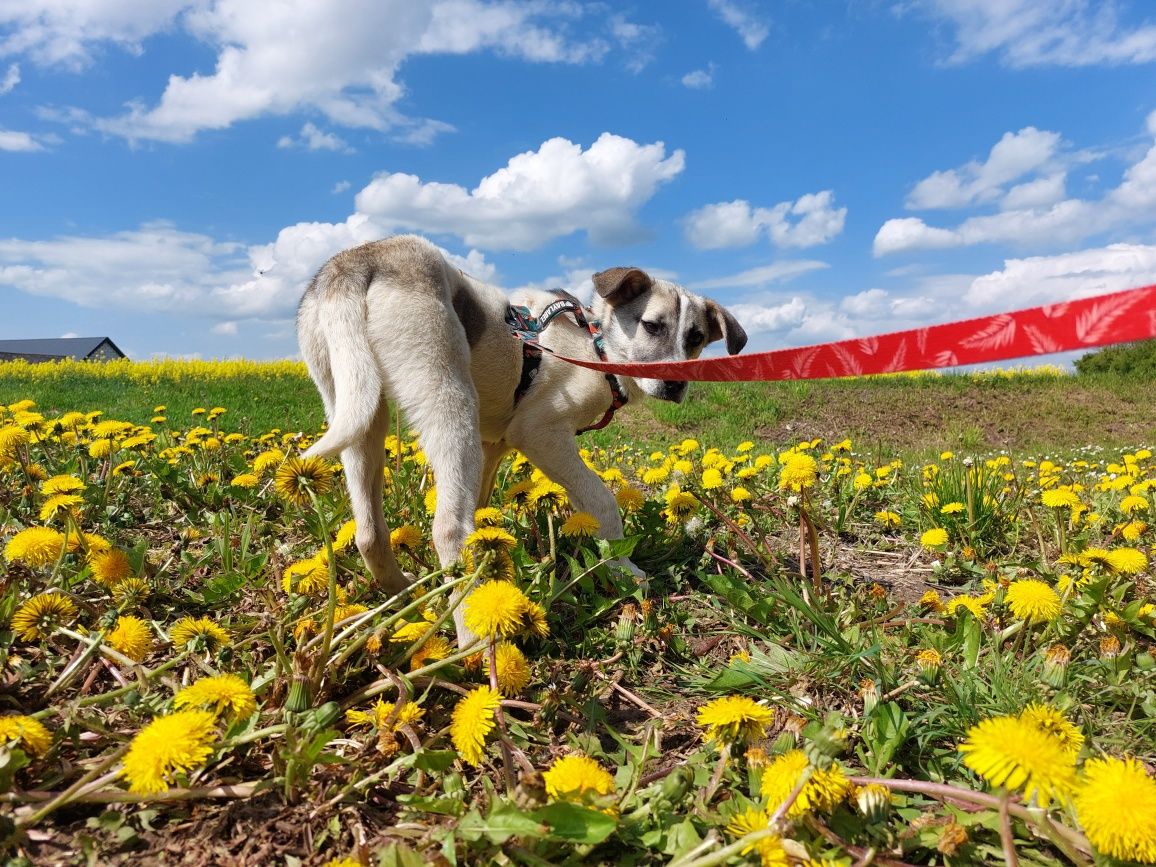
{"x": 556, "y": 454}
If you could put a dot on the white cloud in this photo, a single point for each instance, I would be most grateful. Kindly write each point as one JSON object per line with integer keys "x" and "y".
{"x": 764, "y": 275}
{"x": 776, "y": 317}
{"x": 538, "y": 196}
{"x": 315, "y": 139}
{"x": 637, "y": 42}
{"x": 11, "y": 79}
{"x": 1032, "y": 215}
{"x": 340, "y": 187}
{"x": 66, "y": 32}
{"x": 751, "y": 29}
{"x": 810, "y": 220}
{"x": 1026, "y": 33}
{"x": 69, "y": 334}
{"x": 1046, "y": 279}
{"x": 699, "y": 79}
{"x": 227, "y": 329}
{"x": 11, "y": 140}
{"x": 338, "y": 60}
{"x": 1013, "y": 156}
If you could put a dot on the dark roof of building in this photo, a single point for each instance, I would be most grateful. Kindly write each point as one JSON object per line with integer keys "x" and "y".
{"x": 55, "y": 347}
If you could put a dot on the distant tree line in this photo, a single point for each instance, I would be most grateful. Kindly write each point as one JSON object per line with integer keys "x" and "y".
{"x": 1124, "y": 359}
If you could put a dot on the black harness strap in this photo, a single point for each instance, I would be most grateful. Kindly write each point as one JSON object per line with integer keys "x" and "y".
{"x": 526, "y": 327}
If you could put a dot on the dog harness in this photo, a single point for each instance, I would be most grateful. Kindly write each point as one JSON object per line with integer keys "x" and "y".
{"x": 527, "y": 327}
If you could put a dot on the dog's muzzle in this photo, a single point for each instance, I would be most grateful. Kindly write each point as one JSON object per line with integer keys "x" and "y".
{"x": 673, "y": 391}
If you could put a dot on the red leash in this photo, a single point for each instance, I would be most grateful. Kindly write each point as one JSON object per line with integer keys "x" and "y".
{"x": 1119, "y": 317}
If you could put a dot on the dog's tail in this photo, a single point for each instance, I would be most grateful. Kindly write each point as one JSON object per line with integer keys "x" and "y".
{"x": 353, "y": 367}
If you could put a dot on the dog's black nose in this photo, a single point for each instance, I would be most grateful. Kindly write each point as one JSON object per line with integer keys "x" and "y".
{"x": 673, "y": 390}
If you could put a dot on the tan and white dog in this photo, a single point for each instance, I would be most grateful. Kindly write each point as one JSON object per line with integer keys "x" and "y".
{"x": 393, "y": 319}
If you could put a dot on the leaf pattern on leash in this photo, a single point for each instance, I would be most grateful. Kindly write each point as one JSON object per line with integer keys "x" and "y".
{"x": 851, "y": 364}
{"x": 1042, "y": 342}
{"x": 868, "y": 345}
{"x": 1000, "y": 332}
{"x": 898, "y": 359}
{"x": 1094, "y": 325}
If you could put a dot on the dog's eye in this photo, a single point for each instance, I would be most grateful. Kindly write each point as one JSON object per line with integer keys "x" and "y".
{"x": 694, "y": 339}
{"x": 653, "y": 328}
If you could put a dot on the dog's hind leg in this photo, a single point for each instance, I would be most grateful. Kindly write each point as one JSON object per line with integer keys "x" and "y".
{"x": 364, "y": 463}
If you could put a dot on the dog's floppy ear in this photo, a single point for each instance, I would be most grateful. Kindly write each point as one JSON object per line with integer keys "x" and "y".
{"x": 619, "y": 285}
{"x": 723, "y": 325}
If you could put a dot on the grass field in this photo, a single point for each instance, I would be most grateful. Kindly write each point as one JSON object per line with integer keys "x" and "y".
{"x": 890, "y": 621}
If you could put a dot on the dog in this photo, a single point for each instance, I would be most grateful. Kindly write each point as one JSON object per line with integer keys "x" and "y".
{"x": 393, "y": 319}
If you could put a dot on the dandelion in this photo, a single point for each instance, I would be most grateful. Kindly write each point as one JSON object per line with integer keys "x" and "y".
{"x": 770, "y": 848}
{"x": 936, "y": 537}
{"x": 299, "y": 478}
{"x": 1033, "y": 600}
{"x": 822, "y": 792}
{"x": 131, "y": 591}
{"x": 577, "y": 778}
{"x": 245, "y": 480}
{"x": 132, "y": 637}
{"x": 953, "y": 508}
{"x": 888, "y": 520}
{"x": 1132, "y": 504}
{"x": 380, "y": 713}
{"x": 931, "y": 599}
{"x": 495, "y": 608}
{"x": 799, "y": 471}
{"x": 1060, "y": 498}
{"x": 42, "y": 614}
{"x": 580, "y": 525}
{"x": 547, "y": 495}
{"x": 406, "y": 536}
{"x": 307, "y": 576}
{"x": 166, "y": 747}
{"x": 223, "y": 694}
{"x": 679, "y": 505}
{"x": 1053, "y": 722}
{"x": 740, "y": 495}
{"x": 488, "y": 516}
{"x": 35, "y": 546}
{"x": 711, "y": 479}
{"x": 1017, "y": 754}
{"x": 26, "y": 732}
{"x": 201, "y": 630}
{"x": 734, "y": 719}
{"x": 1116, "y": 806}
{"x": 629, "y": 499}
{"x": 491, "y": 539}
{"x": 267, "y": 459}
{"x": 975, "y": 605}
{"x": 928, "y": 660}
{"x": 431, "y": 650}
{"x": 345, "y": 536}
{"x": 472, "y": 720}
{"x": 110, "y": 567}
{"x": 1126, "y": 561}
{"x": 512, "y": 669}
{"x": 62, "y": 484}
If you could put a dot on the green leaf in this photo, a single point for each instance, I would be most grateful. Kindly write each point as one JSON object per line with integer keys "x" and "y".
{"x": 575, "y": 823}
{"x": 434, "y": 761}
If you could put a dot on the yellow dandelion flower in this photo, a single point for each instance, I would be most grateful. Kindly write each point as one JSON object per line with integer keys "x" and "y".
{"x": 490, "y": 539}
{"x": 1133, "y": 530}
{"x": 1126, "y": 561}
{"x": 267, "y": 459}
{"x": 799, "y": 471}
{"x": 734, "y": 719}
{"x": 245, "y": 480}
{"x": 629, "y": 499}
{"x": 1019, "y": 755}
{"x": 59, "y": 505}
{"x": 680, "y": 505}
{"x": 512, "y": 668}
{"x": 548, "y": 495}
{"x": 1053, "y": 722}
{"x": 223, "y": 694}
{"x": 822, "y": 792}
{"x": 298, "y": 478}
{"x": 495, "y": 608}
{"x": 769, "y": 849}
{"x": 975, "y": 605}
{"x": 166, "y": 747}
{"x": 1033, "y": 600}
{"x": 35, "y": 546}
{"x": 577, "y": 778}
{"x": 345, "y": 536}
{"x": 534, "y": 621}
{"x": 132, "y": 637}
{"x": 432, "y": 649}
{"x": 953, "y": 508}
{"x": 488, "y": 516}
{"x": 1116, "y": 806}
{"x": 131, "y": 591}
{"x": 931, "y": 599}
{"x": 936, "y": 537}
{"x": 202, "y": 630}
{"x": 711, "y": 479}
{"x": 110, "y": 567}
{"x": 887, "y": 519}
{"x": 26, "y": 732}
{"x": 63, "y": 484}
{"x": 406, "y": 536}
{"x": 1060, "y": 498}
{"x": 1132, "y": 504}
{"x": 309, "y": 576}
{"x": 928, "y": 659}
{"x": 472, "y": 720}
{"x": 39, "y": 616}
{"x": 580, "y": 525}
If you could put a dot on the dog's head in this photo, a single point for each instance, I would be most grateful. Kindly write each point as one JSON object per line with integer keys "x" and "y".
{"x": 644, "y": 319}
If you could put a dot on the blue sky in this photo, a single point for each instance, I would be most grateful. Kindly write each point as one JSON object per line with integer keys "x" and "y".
{"x": 172, "y": 172}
